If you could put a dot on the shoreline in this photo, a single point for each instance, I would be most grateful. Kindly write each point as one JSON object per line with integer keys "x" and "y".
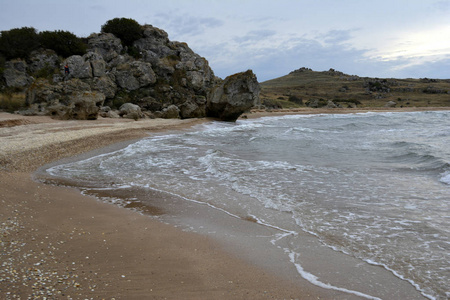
{"x": 58, "y": 243}
{"x": 55, "y": 237}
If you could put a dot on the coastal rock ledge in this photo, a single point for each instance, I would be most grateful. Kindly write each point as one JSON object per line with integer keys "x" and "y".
{"x": 163, "y": 78}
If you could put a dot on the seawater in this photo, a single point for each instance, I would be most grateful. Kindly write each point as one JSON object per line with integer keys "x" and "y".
{"x": 375, "y": 186}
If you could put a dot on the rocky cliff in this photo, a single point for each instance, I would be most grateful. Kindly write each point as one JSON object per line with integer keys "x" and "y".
{"x": 164, "y": 79}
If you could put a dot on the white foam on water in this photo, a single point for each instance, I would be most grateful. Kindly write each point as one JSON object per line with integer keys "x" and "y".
{"x": 315, "y": 280}
{"x": 445, "y": 177}
{"x": 306, "y": 179}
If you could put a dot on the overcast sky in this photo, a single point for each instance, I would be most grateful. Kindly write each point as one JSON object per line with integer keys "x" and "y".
{"x": 377, "y": 38}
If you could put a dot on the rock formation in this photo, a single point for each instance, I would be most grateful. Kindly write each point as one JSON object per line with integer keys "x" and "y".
{"x": 164, "y": 79}
{"x": 236, "y": 94}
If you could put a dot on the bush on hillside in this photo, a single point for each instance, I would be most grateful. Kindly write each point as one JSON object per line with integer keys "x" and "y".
{"x": 18, "y": 42}
{"x": 64, "y": 43}
{"x": 296, "y": 99}
{"x": 127, "y": 30}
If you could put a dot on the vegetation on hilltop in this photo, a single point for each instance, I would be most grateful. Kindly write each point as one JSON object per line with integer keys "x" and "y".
{"x": 127, "y": 30}
{"x": 64, "y": 43}
{"x": 18, "y": 42}
{"x": 304, "y": 86}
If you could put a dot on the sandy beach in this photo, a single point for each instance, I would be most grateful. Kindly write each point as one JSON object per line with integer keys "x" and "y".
{"x": 58, "y": 244}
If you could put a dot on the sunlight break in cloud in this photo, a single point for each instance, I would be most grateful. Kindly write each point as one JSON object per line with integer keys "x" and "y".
{"x": 417, "y": 48}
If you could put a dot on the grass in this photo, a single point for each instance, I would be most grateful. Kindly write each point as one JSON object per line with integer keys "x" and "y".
{"x": 345, "y": 89}
{"x": 12, "y": 102}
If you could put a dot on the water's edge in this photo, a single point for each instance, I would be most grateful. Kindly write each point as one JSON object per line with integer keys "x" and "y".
{"x": 320, "y": 265}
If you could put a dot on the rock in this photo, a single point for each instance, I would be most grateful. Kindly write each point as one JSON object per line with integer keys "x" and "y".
{"x": 43, "y": 59}
{"x": 193, "y": 108}
{"x": 130, "y": 111}
{"x": 41, "y": 91}
{"x": 105, "y": 44}
{"x": 135, "y": 75}
{"x": 166, "y": 73}
{"x": 78, "y": 66}
{"x": 83, "y": 106}
{"x": 154, "y": 45}
{"x": 171, "y": 112}
{"x": 98, "y": 65}
{"x": 314, "y": 103}
{"x": 235, "y": 95}
{"x": 36, "y": 109}
{"x": 15, "y": 73}
{"x": 390, "y": 104}
{"x": 104, "y": 85}
{"x": 331, "y": 104}
{"x": 107, "y": 112}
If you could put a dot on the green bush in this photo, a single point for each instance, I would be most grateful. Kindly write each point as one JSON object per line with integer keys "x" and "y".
{"x": 296, "y": 99}
{"x": 19, "y": 42}
{"x": 46, "y": 72}
{"x": 127, "y": 30}
{"x": 64, "y": 43}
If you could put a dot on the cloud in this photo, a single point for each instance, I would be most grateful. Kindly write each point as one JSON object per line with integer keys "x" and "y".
{"x": 284, "y": 54}
{"x": 255, "y": 36}
{"x": 186, "y": 25}
{"x": 338, "y": 36}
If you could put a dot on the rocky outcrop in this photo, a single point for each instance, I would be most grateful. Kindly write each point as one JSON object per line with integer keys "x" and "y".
{"x": 171, "y": 112}
{"x": 134, "y": 75}
{"x": 43, "y": 60}
{"x": 73, "y": 99}
{"x": 105, "y": 44}
{"x": 82, "y": 106}
{"x": 15, "y": 73}
{"x": 235, "y": 95}
{"x": 163, "y": 78}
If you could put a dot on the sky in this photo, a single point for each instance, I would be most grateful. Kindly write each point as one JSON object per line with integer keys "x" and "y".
{"x": 374, "y": 38}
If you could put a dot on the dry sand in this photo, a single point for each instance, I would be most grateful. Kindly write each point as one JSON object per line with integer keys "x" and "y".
{"x": 59, "y": 244}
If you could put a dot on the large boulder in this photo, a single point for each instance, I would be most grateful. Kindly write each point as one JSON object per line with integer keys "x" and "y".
{"x": 15, "y": 73}
{"x": 134, "y": 75}
{"x": 72, "y": 99}
{"x": 78, "y": 67}
{"x": 105, "y": 44}
{"x": 171, "y": 112}
{"x": 154, "y": 45}
{"x": 194, "y": 108}
{"x": 105, "y": 85}
{"x": 130, "y": 111}
{"x": 235, "y": 95}
{"x": 97, "y": 62}
{"x": 83, "y": 106}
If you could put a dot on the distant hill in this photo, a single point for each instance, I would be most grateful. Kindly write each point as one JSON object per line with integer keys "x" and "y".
{"x": 305, "y": 87}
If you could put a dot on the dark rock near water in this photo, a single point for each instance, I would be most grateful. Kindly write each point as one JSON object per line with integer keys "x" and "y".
{"x": 235, "y": 95}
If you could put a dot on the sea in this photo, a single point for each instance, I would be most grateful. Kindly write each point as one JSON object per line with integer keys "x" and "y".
{"x": 373, "y": 186}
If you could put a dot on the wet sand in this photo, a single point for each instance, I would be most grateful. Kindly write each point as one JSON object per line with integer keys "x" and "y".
{"x": 57, "y": 243}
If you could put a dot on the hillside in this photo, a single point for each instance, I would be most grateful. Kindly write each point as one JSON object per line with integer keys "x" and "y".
{"x": 304, "y": 87}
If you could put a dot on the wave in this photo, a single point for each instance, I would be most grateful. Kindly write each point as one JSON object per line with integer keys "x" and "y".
{"x": 445, "y": 177}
